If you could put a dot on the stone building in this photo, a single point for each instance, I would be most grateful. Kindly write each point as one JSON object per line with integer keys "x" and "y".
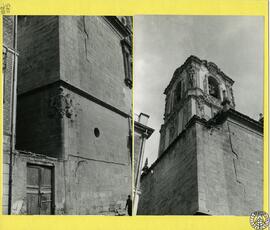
{"x": 73, "y": 130}
{"x": 210, "y": 159}
{"x": 9, "y": 70}
{"x": 141, "y": 133}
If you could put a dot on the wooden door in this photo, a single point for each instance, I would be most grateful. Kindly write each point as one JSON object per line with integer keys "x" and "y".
{"x": 39, "y": 190}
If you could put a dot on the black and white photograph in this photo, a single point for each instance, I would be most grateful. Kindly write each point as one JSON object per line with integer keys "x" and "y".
{"x": 67, "y": 122}
{"x": 198, "y": 115}
{"x": 72, "y": 144}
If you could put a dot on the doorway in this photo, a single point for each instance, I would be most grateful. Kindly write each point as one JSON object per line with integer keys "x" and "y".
{"x": 39, "y": 190}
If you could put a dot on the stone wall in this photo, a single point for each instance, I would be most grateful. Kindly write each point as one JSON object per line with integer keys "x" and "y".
{"x": 230, "y": 169}
{"x": 97, "y": 65}
{"x": 74, "y": 105}
{"x": 38, "y": 44}
{"x": 96, "y": 187}
{"x": 39, "y": 123}
{"x": 19, "y": 184}
{"x": 8, "y": 39}
{"x": 80, "y": 186}
{"x": 223, "y": 163}
{"x": 96, "y": 132}
{"x": 170, "y": 187}
{"x": 99, "y": 161}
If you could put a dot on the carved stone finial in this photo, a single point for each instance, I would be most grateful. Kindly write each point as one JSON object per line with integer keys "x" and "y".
{"x": 226, "y": 102}
{"x": 261, "y": 117}
{"x": 145, "y": 167}
{"x": 146, "y": 163}
{"x": 205, "y": 84}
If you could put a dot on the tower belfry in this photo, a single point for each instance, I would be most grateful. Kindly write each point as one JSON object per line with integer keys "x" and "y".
{"x": 198, "y": 87}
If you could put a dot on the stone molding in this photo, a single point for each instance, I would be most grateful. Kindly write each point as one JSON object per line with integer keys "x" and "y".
{"x": 212, "y": 68}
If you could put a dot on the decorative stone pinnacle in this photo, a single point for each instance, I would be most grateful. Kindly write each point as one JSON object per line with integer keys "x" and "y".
{"x": 145, "y": 167}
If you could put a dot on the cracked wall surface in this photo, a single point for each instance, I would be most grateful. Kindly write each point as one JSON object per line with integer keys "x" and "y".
{"x": 212, "y": 171}
{"x": 230, "y": 169}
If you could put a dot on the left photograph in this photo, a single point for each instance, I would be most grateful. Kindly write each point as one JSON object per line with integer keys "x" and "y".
{"x": 67, "y": 115}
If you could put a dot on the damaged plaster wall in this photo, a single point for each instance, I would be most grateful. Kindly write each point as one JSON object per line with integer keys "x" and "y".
{"x": 19, "y": 195}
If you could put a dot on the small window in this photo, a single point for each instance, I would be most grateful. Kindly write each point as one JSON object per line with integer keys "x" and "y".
{"x": 96, "y": 132}
{"x": 127, "y": 56}
{"x": 213, "y": 87}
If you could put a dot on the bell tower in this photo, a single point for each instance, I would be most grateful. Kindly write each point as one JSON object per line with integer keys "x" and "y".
{"x": 198, "y": 88}
{"x": 209, "y": 153}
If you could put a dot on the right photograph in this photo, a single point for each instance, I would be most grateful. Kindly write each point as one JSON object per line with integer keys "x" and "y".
{"x": 198, "y": 122}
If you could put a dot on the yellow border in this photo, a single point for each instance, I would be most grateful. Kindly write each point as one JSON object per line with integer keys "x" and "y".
{"x": 137, "y": 7}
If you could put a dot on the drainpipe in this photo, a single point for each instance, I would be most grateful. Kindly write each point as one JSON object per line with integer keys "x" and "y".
{"x": 138, "y": 173}
{"x": 13, "y": 112}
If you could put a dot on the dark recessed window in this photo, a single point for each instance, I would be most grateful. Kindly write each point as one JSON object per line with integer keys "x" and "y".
{"x": 178, "y": 92}
{"x": 213, "y": 87}
{"x": 96, "y": 132}
{"x": 127, "y": 56}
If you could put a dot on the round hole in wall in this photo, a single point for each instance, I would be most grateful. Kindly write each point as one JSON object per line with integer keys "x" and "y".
{"x": 96, "y": 132}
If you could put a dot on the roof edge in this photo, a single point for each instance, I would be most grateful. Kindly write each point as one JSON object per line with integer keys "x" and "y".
{"x": 201, "y": 62}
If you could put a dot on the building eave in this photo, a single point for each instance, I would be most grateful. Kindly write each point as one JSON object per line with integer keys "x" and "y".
{"x": 140, "y": 128}
{"x": 118, "y": 25}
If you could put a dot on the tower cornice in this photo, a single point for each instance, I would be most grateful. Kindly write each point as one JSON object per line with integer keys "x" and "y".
{"x": 211, "y": 66}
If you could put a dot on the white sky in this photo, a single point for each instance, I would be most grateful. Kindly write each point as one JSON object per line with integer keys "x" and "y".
{"x": 163, "y": 43}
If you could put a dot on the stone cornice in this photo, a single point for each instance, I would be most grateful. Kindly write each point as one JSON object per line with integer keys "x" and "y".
{"x": 127, "y": 42}
{"x": 240, "y": 118}
{"x": 211, "y": 66}
{"x": 35, "y": 155}
{"x": 118, "y": 25}
{"x": 219, "y": 119}
{"x": 207, "y": 99}
{"x": 145, "y": 130}
{"x": 80, "y": 92}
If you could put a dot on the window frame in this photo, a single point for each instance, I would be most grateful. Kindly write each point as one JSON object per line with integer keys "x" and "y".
{"x": 127, "y": 59}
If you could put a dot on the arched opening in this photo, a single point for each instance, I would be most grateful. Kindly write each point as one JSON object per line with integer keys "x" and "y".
{"x": 213, "y": 87}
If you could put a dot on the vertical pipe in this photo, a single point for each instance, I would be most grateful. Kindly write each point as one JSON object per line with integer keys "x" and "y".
{"x": 13, "y": 112}
{"x": 64, "y": 154}
{"x": 138, "y": 174}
